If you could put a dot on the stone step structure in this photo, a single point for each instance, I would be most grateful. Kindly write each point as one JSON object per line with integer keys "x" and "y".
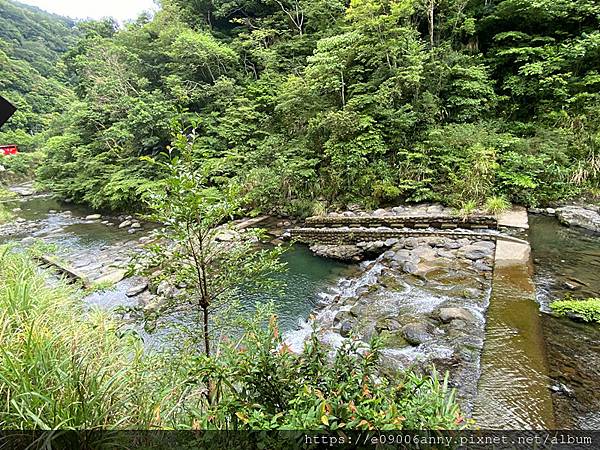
{"x": 352, "y": 236}
{"x": 404, "y": 221}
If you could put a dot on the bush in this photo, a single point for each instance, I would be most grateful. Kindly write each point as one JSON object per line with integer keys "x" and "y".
{"x": 496, "y": 205}
{"x": 587, "y": 310}
{"x": 261, "y": 384}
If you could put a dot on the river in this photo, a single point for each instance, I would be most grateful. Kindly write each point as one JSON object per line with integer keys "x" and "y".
{"x": 566, "y": 260}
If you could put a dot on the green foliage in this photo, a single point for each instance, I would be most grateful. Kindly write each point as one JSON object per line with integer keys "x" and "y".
{"x": 371, "y": 102}
{"x": 496, "y": 205}
{"x": 197, "y": 248}
{"x": 587, "y": 310}
{"x": 261, "y": 384}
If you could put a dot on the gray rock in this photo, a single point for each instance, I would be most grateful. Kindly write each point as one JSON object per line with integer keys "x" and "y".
{"x": 452, "y": 245}
{"x": 166, "y": 290}
{"x": 578, "y": 216}
{"x": 410, "y": 267}
{"x": 481, "y": 266}
{"x": 93, "y": 217}
{"x": 137, "y": 289}
{"x": 125, "y": 224}
{"x": 136, "y": 225}
{"x": 455, "y": 313}
{"x": 341, "y": 252}
{"x": 17, "y": 210}
{"x": 474, "y": 252}
{"x": 380, "y": 212}
{"x": 417, "y": 333}
{"x": 442, "y": 253}
{"x": 535, "y": 210}
{"x": 346, "y": 329}
{"x": 550, "y": 211}
{"x": 390, "y": 242}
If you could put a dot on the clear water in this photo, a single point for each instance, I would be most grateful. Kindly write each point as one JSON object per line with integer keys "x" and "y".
{"x": 567, "y": 261}
{"x": 77, "y": 239}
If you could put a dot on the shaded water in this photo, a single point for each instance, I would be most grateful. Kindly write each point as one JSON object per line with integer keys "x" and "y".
{"x": 568, "y": 262}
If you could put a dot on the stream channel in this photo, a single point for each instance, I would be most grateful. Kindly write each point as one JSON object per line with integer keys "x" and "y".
{"x": 567, "y": 261}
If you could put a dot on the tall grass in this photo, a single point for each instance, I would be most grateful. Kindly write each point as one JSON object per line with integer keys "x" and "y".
{"x": 63, "y": 367}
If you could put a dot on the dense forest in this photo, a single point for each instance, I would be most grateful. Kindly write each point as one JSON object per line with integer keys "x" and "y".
{"x": 32, "y": 44}
{"x": 305, "y": 105}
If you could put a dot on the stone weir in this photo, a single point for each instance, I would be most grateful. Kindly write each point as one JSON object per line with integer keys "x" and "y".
{"x": 426, "y": 293}
{"x": 354, "y": 236}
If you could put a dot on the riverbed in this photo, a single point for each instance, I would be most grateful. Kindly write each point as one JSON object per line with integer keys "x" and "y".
{"x": 566, "y": 261}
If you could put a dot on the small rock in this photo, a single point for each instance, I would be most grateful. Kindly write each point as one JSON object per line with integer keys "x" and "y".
{"x": 165, "y": 289}
{"x": 17, "y": 210}
{"x": 571, "y": 286}
{"x": 20, "y": 220}
{"x": 452, "y": 245}
{"x": 417, "y": 333}
{"x": 410, "y": 267}
{"x": 137, "y": 289}
{"x": 482, "y": 266}
{"x": 448, "y": 314}
{"x": 346, "y": 329}
{"x": 380, "y": 212}
{"x": 550, "y": 211}
{"x": 136, "y": 225}
{"x": 93, "y": 217}
{"x": 442, "y": 253}
{"x": 132, "y": 230}
{"x": 474, "y": 252}
{"x": 125, "y": 224}
{"x": 390, "y": 242}
{"x": 52, "y": 211}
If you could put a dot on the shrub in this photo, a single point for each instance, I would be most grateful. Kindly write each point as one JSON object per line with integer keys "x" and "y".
{"x": 263, "y": 385}
{"x": 62, "y": 367}
{"x": 496, "y": 205}
{"x": 588, "y": 310}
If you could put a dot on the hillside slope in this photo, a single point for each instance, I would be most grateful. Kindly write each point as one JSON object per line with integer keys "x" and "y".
{"x": 32, "y": 43}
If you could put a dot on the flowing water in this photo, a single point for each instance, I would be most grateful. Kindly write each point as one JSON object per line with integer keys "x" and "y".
{"x": 81, "y": 240}
{"x": 567, "y": 261}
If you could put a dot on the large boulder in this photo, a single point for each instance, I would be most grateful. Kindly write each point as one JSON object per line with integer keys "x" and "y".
{"x": 579, "y": 216}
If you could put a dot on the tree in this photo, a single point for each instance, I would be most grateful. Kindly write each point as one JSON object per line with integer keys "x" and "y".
{"x": 198, "y": 248}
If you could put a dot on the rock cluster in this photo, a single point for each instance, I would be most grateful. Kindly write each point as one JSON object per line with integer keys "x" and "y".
{"x": 426, "y": 298}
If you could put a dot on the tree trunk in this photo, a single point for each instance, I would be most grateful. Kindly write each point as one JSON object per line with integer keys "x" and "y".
{"x": 431, "y": 19}
{"x": 206, "y": 337}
